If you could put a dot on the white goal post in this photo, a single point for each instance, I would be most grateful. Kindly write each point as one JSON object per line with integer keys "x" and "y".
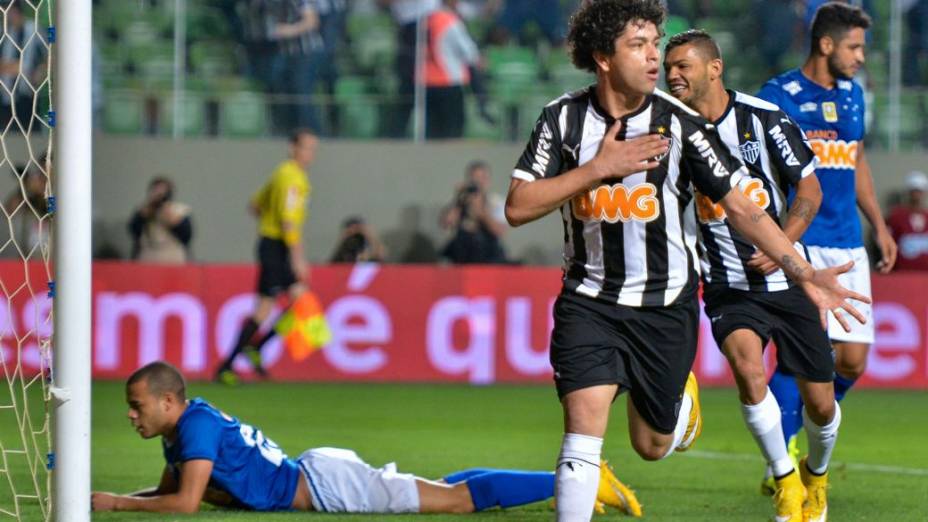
{"x": 70, "y": 390}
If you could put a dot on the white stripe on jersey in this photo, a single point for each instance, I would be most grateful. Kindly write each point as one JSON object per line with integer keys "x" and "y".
{"x": 593, "y": 130}
{"x": 636, "y": 258}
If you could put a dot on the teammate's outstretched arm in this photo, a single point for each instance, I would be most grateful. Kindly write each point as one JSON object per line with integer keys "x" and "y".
{"x": 184, "y": 499}
{"x": 530, "y": 200}
{"x": 801, "y": 213}
{"x": 821, "y": 286}
{"x": 866, "y": 200}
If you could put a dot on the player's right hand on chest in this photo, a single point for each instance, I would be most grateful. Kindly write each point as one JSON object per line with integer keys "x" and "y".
{"x": 620, "y": 158}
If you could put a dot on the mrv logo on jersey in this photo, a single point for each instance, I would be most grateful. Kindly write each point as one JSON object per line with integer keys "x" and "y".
{"x": 705, "y": 150}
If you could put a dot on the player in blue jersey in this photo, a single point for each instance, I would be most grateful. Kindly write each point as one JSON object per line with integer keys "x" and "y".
{"x": 213, "y": 457}
{"x": 828, "y": 105}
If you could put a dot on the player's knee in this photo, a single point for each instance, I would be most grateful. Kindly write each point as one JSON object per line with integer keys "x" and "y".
{"x": 851, "y": 368}
{"x": 752, "y": 381}
{"x": 651, "y": 448}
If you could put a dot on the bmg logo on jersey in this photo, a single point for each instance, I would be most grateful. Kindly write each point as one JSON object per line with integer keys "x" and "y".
{"x": 753, "y": 188}
{"x": 614, "y": 203}
{"x": 835, "y": 154}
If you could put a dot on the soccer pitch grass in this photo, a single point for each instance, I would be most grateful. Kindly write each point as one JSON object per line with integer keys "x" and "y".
{"x": 879, "y": 470}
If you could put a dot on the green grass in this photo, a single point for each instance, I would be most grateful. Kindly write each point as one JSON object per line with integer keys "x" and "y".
{"x": 434, "y": 429}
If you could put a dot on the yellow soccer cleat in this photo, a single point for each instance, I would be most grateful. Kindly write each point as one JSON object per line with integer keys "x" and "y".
{"x": 815, "y": 508}
{"x": 613, "y": 493}
{"x": 768, "y": 485}
{"x": 694, "y": 427}
{"x": 789, "y": 497}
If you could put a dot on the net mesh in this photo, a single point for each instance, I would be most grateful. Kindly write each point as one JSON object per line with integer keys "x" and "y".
{"x": 26, "y": 283}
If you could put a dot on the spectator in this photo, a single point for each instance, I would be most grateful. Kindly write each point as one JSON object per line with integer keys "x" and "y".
{"x": 27, "y": 207}
{"x": 332, "y": 20}
{"x": 359, "y": 243}
{"x": 22, "y": 53}
{"x": 405, "y": 14}
{"x": 517, "y": 14}
{"x": 287, "y": 49}
{"x": 478, "y": 219}
{"x": 916, "y": 41}
{"x": 908, "y": 223}
{"x": 450, "y": 53}
{"x": 777, "y": 22}
{"x": 161, "y": 228}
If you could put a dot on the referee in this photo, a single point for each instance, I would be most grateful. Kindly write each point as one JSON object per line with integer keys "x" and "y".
{"x": 280, "y": 206}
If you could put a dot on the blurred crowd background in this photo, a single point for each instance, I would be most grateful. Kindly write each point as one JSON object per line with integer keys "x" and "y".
{"x": 346, "y": 68}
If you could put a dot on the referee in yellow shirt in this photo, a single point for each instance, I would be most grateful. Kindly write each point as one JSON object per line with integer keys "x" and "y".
{"x": 280, "y": 206}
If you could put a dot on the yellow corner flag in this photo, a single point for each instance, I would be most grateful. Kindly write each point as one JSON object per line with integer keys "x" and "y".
{"x": 303, "y": 327}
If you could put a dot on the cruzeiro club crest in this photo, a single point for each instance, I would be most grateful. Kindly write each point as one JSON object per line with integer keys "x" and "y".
{"x": 750, "y": 150}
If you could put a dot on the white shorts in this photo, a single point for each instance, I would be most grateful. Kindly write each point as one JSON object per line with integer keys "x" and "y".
{"x": 340, "y": 482}
{"x": 857, "y": 280}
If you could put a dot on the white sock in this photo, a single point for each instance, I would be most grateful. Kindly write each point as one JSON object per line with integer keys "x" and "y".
{"x": 763, "y": 421}
{"x": 683, "y": 420}
{"x": 577, "y": 477}
{"x": 822, "y": 441}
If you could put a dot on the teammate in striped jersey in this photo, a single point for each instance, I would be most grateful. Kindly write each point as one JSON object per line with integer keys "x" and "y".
{"x": 621, "y": 160}
{"x": 748, "y": 299}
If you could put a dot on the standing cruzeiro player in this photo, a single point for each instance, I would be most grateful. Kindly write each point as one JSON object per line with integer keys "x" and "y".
{"x": 829, "y": 107}
{"x": 748, "y": 299}
{"x": 620, "y": 160}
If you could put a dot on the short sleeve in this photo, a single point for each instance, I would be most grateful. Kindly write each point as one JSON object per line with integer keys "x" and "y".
{"x": 771, "y": 92}
{"x": 542, "y": 156}
{"x": 788, "y": 148}
{"x": 713, "y": 169}
{"x": 199, "y": 437}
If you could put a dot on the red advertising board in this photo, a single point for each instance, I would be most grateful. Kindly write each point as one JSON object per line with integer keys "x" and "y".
{"x": 390, "y": 323}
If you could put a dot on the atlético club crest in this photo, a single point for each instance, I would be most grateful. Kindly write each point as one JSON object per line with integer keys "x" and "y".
{"x": 750, "y": 151}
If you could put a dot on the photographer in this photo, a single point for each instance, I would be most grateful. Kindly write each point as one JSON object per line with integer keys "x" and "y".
{"x": 477, "y": 217}
{"x": 161, "y": 228}
{"x": 359, "y": 243}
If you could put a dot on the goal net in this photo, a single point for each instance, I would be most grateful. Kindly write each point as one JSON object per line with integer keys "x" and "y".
{"x": 26, "y": 281}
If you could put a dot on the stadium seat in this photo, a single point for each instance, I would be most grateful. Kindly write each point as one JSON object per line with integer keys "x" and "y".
{"x": 476, "y": 127}
{"x": 675, "y": 25}
{"x": 513, "y": 70}
{"x": 243, "y": 115}
{"x": 358, "y": 112}
{"x": 123, "y": 112}
{"x": 212, "y": 58}
{"x": 193, "y": 114}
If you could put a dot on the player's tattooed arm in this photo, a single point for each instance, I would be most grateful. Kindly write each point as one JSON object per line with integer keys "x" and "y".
{"x": 793, "y": 269}
{"x": 803, "y": 209}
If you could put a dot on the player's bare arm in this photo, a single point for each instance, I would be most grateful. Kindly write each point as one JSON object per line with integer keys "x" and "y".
{"x": 167, "y": 485}
{"x": 194, "y": 477}
{"x": 528, "y": 201}
{"x": 866, "y": 200}
{"x": 801, "y": 213}
{"x": 821, "y": 286}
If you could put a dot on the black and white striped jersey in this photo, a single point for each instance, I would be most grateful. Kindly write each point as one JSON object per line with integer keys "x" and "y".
{"x": 777, "y": 156}
{"x": 631, "y": 241}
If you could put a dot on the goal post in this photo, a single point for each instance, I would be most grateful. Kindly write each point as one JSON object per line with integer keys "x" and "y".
{"x": 70, "y": 389}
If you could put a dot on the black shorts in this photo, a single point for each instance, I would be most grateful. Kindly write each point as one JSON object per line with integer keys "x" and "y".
{"x": 648, "y": 351}
{"x": 788, "y": 317}
{"x": 275, "y": 274}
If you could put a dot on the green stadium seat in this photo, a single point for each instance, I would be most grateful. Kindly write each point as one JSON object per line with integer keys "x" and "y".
{"x": 243, "y": 115}
{"x": 476, "y": 127}
{"x": 123, "y": 112}
{"x": 212, "y": 58}
{"x": 358, "y": 111}
{"x": 674, "y": 26}
{"x": 513, "y": 71}
{"x": 193, "y": 114}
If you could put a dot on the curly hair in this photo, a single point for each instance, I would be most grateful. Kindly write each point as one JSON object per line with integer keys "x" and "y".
{"x": 596, "y": 25}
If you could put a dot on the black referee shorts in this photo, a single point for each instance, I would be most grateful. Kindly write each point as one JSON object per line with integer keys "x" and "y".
{"x": 275, "y": 274}
{"x": 648, "y": 351}
{"x": 787, "y": 316}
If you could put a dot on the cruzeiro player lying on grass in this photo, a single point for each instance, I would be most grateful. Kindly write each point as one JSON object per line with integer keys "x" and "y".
{"x": 213, "y": 457}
